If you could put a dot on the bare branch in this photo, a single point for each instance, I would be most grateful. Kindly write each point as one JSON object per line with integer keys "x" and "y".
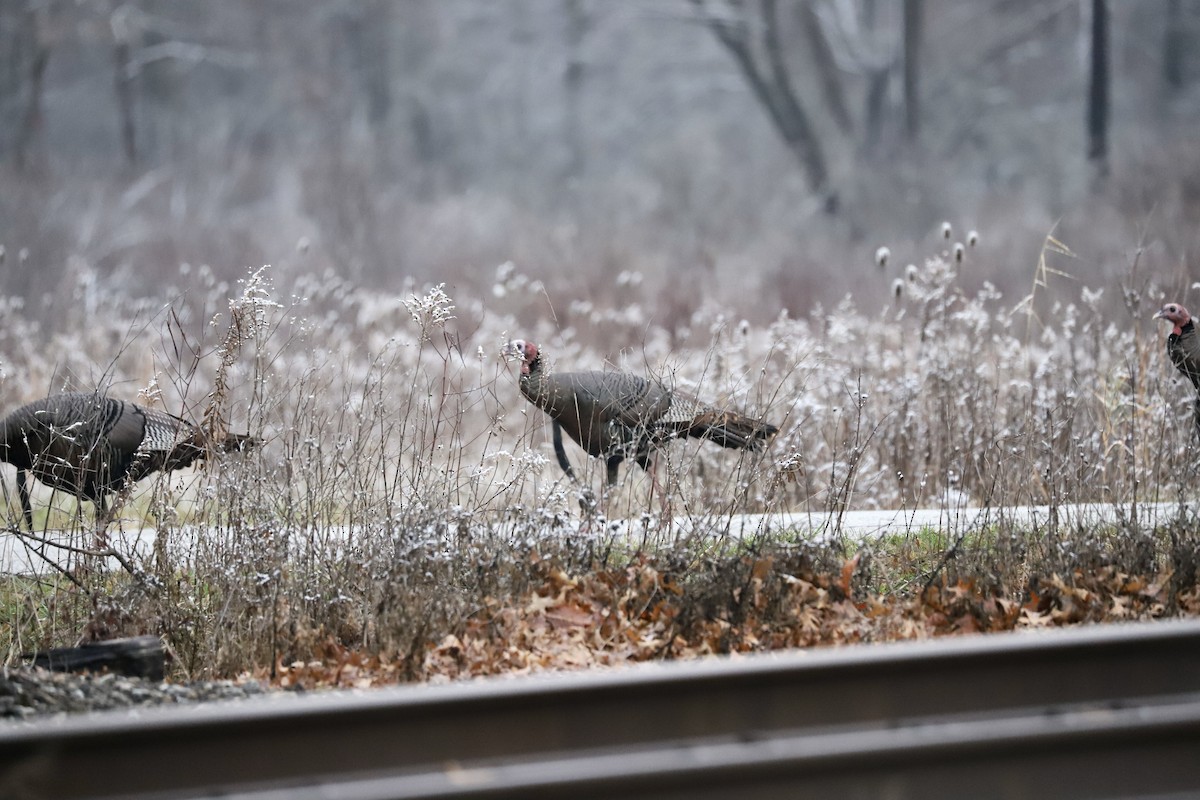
{"x": 823, "y": 57}
{"x": 771, "y": 82}
{"x": 186, "y": 52}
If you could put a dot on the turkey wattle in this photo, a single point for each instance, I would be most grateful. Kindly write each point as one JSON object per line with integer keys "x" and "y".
{"x": 1183, "y": 348}
{"x": 618, "y": 415}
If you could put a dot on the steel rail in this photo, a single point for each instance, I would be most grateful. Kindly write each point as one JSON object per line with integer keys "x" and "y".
{"x": 872, "y": 690}
{"x": 1076, "y": 753}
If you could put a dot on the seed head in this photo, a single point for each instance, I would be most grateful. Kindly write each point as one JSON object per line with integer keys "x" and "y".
{"x": 882, "y": 255}
{"x": 959, "y": 250}
{"x": 972, "y": 238}
{"x": 897, "y": 288}
{"x": 947, "y": 230}
{"x": 910, "y": 272}
{"x": 432, "y": 310}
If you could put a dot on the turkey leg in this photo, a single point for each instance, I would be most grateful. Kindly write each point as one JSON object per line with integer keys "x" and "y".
{"x": 560, "y": 453}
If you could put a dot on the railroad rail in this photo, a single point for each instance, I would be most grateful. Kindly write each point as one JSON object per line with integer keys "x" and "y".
{"x": 1104, "y": 711}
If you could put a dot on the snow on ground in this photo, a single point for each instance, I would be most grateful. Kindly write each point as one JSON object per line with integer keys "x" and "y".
{"x": 20, "y": 554}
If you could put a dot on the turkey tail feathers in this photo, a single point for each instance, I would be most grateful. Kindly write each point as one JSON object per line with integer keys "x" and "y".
{"x": 731, "y": 429}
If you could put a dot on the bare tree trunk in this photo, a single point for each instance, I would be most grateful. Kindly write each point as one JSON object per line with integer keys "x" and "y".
{"x": 870, "y": 10}
{"x": 877, "y": 85}
{"x": 577, "y": 29}
{"x": 822, "y": 54}
{"x": 799, "y": 132}
{"x": 773, "y": 88}
{"x": 31, "y": 116}
{"x": 879, "y": 76}
{"x": 1098, "y": 90}
{"x": 368, "y": 28}
{"x": 123, "y": 86}
{"x": 12, "y": 50}
{"x": 912, "y": 51}
{"x": 1174, "y": 46}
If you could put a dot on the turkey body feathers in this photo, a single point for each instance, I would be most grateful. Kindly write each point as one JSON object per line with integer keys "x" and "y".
{"x": 618, "y": 415}
{"x": 89, "y": 445}
{"x": 1183, "y": 348}
{"x": 601, "y": 411}
{"x": 1184, "y": 351}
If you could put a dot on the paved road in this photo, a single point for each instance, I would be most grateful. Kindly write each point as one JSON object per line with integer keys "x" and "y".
{"x": 19, "y": 554}
{"x": 863, "y": 524}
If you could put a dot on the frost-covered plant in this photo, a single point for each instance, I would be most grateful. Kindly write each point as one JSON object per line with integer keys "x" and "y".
{"x": 397, "y": 448}
{"x": 431, "y": 311}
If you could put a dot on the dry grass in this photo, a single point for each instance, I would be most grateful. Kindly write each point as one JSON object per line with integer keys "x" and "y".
{"x": 404, "y": 484}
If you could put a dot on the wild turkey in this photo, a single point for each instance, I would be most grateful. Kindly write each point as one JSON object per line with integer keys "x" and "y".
{"x": 1183, "y": 347}
{"x": 90, "y": 445}
{"x": 617, "y": 415}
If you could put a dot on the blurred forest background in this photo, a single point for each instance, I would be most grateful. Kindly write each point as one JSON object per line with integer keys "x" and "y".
{"x": 752, "y": 153}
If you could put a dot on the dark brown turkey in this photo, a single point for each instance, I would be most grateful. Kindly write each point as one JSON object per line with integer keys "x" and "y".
{"x": 617, "y": 415}
{"x": 1183, "y": 348}
{"x": 90, "y": 445}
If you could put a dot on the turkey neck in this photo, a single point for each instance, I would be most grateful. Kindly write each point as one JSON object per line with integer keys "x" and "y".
{"x": 565, "y": 396}
{"x": 534, "y": 384}
{"x": 1184, "y": 350}
{"x": 1184, "y": 337}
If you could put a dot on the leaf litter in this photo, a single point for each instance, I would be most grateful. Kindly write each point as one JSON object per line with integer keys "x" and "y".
{"x": 649, "y": 610}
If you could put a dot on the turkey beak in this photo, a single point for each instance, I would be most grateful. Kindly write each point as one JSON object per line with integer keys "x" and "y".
{"x": 1159, "y": 314}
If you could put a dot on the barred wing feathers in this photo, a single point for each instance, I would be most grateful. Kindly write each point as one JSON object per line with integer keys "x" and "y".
{"x": 89, "y": 444}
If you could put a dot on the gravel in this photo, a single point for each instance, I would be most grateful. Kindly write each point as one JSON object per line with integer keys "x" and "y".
{"x": 30, "y": 693}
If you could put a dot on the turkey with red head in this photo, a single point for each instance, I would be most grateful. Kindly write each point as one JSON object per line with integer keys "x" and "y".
{"x": 1183, "y": 347}
{"x": 618, "y": 415}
